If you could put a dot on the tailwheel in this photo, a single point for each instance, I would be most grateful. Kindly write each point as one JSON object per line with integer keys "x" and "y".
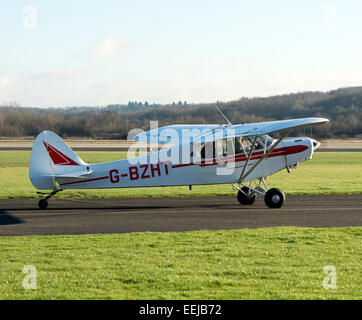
{"x": 246, "y": 196}
{"x": 274, "y": 198}
{"x": 43, "y": 204}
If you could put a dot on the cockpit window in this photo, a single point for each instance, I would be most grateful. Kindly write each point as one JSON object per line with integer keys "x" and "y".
{"x": 269, "y": 140}
{"x": 227, "y": 147}
{"x": 247, "y": 143}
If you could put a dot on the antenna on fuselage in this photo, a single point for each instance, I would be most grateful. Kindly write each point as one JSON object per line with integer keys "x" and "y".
{"x": 226, "y": 119}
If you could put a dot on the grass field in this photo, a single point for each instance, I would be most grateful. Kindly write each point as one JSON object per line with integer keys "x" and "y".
{"x": 274, "y": 263}
{"x": 327, "y": 173}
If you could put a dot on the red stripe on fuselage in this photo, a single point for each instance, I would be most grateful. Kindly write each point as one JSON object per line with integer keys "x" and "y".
{"x": 82, "y": 181}
{"x": 238, "y": 158}
{"x": 241, "y": 157}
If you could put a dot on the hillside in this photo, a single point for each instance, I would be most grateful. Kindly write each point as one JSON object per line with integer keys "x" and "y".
{"x": 343, "y": 107}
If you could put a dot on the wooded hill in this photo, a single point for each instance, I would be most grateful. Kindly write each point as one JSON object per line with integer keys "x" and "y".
{"x": 343, "y": 107}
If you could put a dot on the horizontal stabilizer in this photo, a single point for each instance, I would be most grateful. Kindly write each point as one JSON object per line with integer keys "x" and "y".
{"x": 76, "y": 174}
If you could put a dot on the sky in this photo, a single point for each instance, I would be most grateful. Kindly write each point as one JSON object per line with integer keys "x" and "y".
{"x": 94, "y": 53}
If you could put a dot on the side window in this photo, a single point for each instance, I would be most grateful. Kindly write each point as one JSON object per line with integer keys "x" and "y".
{"x": 239, "y": 145}
{"x": 227, "y": 147}
{"x": 207, "y": 150}
{"x": 215, "y": 149}
{"x": 259, "y": 144}
{"x": 262, "y": 141}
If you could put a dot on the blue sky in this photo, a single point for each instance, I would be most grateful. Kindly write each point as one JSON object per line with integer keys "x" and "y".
{"x": 66, "y": 53}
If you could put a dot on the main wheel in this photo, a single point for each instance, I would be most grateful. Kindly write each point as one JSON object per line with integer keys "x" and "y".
{"x": 43, "y": 204}
{"x": 244, "y": 199}
{"x": 274, "y": 198}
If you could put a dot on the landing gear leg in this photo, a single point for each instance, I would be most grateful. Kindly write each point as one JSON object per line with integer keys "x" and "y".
{"x": 246, "y": 196}
{"x": 43, "y": 203}
{"x": 273, "y": 198}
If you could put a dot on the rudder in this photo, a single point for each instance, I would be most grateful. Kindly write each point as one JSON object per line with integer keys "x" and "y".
{"x": 51, "y": 157}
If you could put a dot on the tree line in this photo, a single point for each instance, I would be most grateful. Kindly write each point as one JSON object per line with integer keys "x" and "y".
{"x": 343, "y": 107}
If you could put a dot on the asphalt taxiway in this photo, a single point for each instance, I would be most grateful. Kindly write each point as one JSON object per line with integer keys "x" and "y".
{"x": 87, "y": 216}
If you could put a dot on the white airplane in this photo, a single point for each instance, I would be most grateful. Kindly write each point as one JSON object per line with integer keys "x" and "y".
{"x": 242, "y": 155}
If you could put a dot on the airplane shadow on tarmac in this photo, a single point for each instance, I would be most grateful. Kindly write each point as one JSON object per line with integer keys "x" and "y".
{"x": 7, "y": 219}
{"x": 98, "y": 208}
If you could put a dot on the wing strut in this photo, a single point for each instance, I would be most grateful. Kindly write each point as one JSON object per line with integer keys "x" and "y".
{"x": 249, "y": 156}
{"x": 243, "y": 176}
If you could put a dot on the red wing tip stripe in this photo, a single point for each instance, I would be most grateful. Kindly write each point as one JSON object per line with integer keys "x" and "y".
{"x": 83, "y": 181}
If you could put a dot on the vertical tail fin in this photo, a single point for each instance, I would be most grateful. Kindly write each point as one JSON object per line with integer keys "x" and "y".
{"x": 51, "y": 157}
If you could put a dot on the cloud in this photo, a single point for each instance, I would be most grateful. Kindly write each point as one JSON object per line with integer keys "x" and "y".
{"x": 4, "y": 81}
{"x": 53, "y": 87}
{"x": 109, "y": 47}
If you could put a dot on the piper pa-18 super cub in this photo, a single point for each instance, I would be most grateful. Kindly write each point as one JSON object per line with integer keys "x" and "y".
{"x": 242, "y": 155}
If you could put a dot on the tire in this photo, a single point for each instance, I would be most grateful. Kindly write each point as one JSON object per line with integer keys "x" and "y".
{"x": 43, "y": 204}
{"x": 244, "y": 199}
{"x": 274, "y": 198}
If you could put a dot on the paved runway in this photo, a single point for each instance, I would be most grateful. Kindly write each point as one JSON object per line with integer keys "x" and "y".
{"x": 85, "y": 216}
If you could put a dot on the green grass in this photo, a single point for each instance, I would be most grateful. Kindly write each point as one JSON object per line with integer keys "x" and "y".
{"x": 273, "y": 263}
{"x": 327, "y": 173}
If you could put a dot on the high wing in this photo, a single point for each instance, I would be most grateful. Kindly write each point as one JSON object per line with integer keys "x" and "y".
{"x": 165, "y": 134}
{"x": 180, "y": 134}
{"x": 261, "y": 128}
